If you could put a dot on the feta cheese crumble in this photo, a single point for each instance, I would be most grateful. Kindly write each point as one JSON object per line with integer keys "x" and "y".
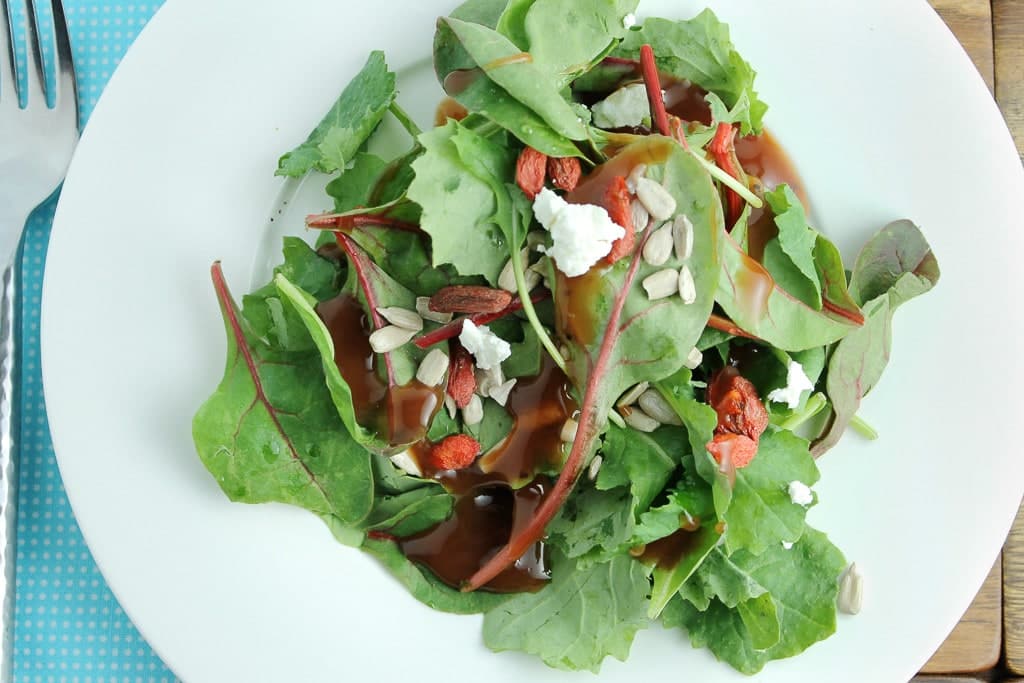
{"x": 629, "y": 21}
{"x": 800, "y": 493}
{"x": 624, "y": 108}
{"x": 581, "y": 234}
{"x": 796, "y": 383}
{"x": 487, "y": 348}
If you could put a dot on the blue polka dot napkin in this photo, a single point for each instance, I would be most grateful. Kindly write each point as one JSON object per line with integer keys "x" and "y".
{"x": 68, "y": 626}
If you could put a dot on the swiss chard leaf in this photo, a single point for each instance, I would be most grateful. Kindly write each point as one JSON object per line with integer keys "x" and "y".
{"x": 802, "y": 583}
{"x": 895, "y": 266}
{"x": 346, "y": 126}
{"x": 796, "y": 240}
{"x": 761, "y": 514}
{"x": 411, "y": 512}
{"x": 581, "y": 617}
{"x": 426, "y": 587}
{"x": 755, "y": 302}
{"x": 700, "y": 50}
{"x": 268, "y": 434}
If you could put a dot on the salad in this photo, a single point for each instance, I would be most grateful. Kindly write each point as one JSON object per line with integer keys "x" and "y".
{"x": 569, "y": 360}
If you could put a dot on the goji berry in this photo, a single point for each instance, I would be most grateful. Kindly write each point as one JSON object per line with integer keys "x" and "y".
{"x": 618, "y": 203}
{"x": 565, "y": 172}
{"x": 732, "y": 450}
{"x": 739, "y": 408}
{"x": 461, "y": 375}
{"x": 531, "y": 168}
{"x": 454, "y": 452}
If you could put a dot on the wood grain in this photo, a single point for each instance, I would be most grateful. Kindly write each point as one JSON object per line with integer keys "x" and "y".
{"x": 971, "y": 23}
{"x": 944, "y": 679}
{"x": 1008, "y": 16}
{"x": 975, "y": 643}
{"x": 1013, "y": 595}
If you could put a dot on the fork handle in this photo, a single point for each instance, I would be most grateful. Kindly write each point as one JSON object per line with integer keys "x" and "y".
{"x": 9, "y": 432}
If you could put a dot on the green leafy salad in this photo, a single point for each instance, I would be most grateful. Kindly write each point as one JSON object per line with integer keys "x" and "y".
{"x": 568, "y": 361}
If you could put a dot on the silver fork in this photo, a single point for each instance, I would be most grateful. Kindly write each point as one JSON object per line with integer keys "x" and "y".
{"x": 35, "y": 147}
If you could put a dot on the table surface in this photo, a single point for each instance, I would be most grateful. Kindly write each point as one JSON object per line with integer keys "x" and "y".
{"x": 988, "y": 643}
{"x": 68, "y": 625}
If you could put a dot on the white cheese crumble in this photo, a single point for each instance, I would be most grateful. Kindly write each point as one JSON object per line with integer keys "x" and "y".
{"x": 625, "y": 107}
{"x": 581, "y": 234}
{"x": 487, "y": 348}
{"x": 786, "y": 545}
{"x": 629, "y": 21}
{"x": 797, "y": 382}
{"x": 800, "y": 493}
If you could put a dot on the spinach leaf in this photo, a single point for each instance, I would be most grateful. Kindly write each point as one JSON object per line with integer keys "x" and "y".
{"x": 515, "y": 72}
{"x": 411, "y": 512}
{"x": 700, "y": 50}
{"x": 581, "y": 617}
{"x": 802, "y": 583}
{"x": 405, "y": 257}
{"x": 628, "y": 339}
{"x": 636, "y": 461}
{"x": 459, "y": 209}
{"x": 721, "y": 578}
{"x": 346, "y": 126}
{"x": 594, "y": 525}
{"x": 527, "y": 355}
{"x": 761, "y": 515}
{"x": 894, "y": 267}
{"x": 689, "y": 501}
{"x": 267, "y": 433}
{"x": 353, "y": 189}
{"x": 668, "y": 580}
{"x": 594, "y": 27}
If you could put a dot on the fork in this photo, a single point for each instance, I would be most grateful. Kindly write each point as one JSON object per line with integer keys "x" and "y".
{"x": 36, "y": 142}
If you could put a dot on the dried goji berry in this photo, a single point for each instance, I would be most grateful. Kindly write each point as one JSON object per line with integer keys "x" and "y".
{"x": 739, "y": 408}
{"x": 565, "y": 172}
{"x": 461, "y": 375}
{"x": 732, "y": 450}
{"x": 531, "y": 168}
{"x": 618, "y": 203}
{"x": 455, "y": 452}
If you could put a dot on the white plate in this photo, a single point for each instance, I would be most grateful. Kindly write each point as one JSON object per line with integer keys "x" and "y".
{"x": 885, "y": 117}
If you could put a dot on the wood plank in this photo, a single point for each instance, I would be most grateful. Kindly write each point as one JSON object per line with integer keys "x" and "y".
{"x": 944, "y": 679}
{"x": 975, "y": 643}
{"x": 971, "y": 23}
{"x": 1013, "y": 595}
{"x": 1008, "y": 16}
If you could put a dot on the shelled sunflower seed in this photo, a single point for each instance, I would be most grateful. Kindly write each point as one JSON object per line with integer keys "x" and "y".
{"x": 640, "y": 216}
{"x": 693, "y": 359}
{"x": 632, "y": 394}
{"x": 658, "y": 247}
{"x": 390, "y": 337}
{"x": 687, "y": 288}
{"x": 634, "y": 176}
{"x": 432, "y": 368}
{"x": 655, "y": 405}
{"x": 473, "y": 413}
{"x": 595, "y": 467}
{"x": 401, "y": 317}
{"x": 568, "y": 433}
{"x": 851, "y": 591}
{"x": 682, "y": 237}
{"x": 656, "y": 199}
{"x": 405, "y": 462}
{"x": 640, "y": 421}
{"x": 423, "y": 308}
{"x": 662, "y": 284}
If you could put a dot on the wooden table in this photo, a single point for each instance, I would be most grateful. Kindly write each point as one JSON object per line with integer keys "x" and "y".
{"x": 988, "y": 643}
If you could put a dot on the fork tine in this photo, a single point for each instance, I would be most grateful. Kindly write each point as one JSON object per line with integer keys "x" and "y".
{"x": 7, "y": 77}
{"x": 36, "y": 77}
{"x": 66, "y": 86}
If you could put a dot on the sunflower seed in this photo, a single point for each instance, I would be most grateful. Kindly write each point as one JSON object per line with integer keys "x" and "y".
{"x": 640, "y": 216}
{"x": 536, "y": 238}
{"x": 595, "y": 467}
{"x": 655, "y": 405}
{"x": 568, "y": 433}
{"x": 693, "y": 359}
{"x": 405, "y": 462}
{"x": 402, "y": 317}
{"x": 432, "y": 368}
{"x": 449, "y": 405}
{"x": 641, "y": 421}
{"x": 634, "y": 176}
{"x": 488, "y": 380}
{"x": 423, "y": 308}
{"x": 507, "y": 279}
{"x": 682, "y": 237}
{"x": 658, "y": 247}
{"x": 389, "y": 338}
{"x": 473, "y": 413}
{"x": 851, "y": 590}
{"x": 632, "y": 394}
{"x": 687, "y": 288}
{"x": 616, "y": 419}
{"x": 661, "y": 284}
{"x": 501, "y": 392}
{"x": 656, "y": 199}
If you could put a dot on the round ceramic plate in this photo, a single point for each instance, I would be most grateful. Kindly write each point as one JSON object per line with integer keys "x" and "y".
{"x": 885, "y": 118}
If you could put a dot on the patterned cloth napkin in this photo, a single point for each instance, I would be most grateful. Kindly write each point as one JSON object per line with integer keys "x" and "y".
{"x": 68, "y": 626}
